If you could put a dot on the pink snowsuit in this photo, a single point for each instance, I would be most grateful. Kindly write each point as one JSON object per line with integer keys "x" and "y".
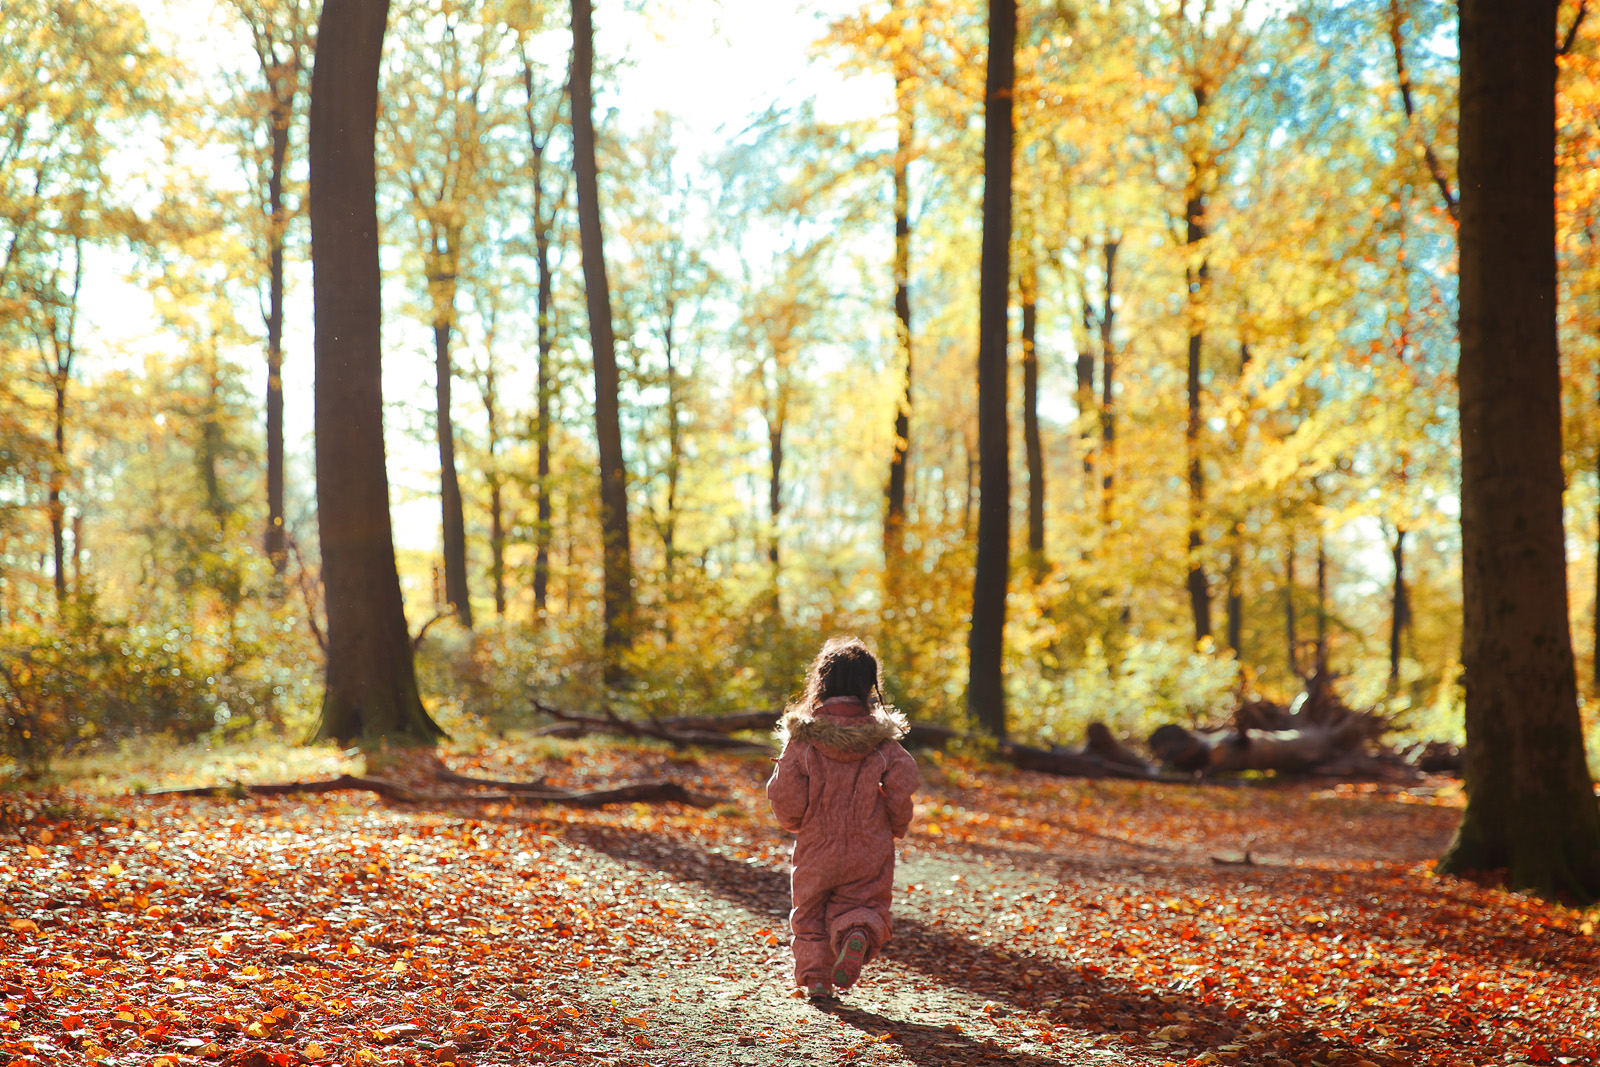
{"x": 844, "y": 784}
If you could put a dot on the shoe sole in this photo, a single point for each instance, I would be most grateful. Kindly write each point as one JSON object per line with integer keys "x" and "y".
{"x": 848, "y": 967}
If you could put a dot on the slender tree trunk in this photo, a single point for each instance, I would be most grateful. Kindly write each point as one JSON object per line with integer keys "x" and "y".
{"x": 1292, "y": 639}
{"x": 1108, "y": 402}
{"x": 58, "y": 472}
{"x": 1236, "y": 589}
{"x": 497, "y": 530}
{"x": 1400, "y": 607}
{"x": 1032, "y": 446}
{"x": 371, "y": 691}
{"x": 1084, "y": 396}
{"x": 454, "y": 522}
{"x": 986, "y": 700}
{"x": 542, "y": 226}
{"x": 273, "y": 542}
{"x": 774, "y": 502}
{"x": 895, "y": 517}
{"x": 211, "y": 443}
{"x": 1197, "y": 276}
{"x": 1530, "y": 800}
{"x": 669, "y": 524}
{"x": 597, "y": 294}
{"x": 1320, "y": 668}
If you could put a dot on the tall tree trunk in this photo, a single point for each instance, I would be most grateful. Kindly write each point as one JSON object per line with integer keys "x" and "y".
{"x": 1032, "y": 446}
{"x": 669, "y": 524}
{"x": 1320, "y": 667}
{"x": 542, "y": 226}
{"x": 1084, "y": 396}
{"x": 1400, "y": 607}
{"x": 597, "y": 295}
{"x": 895, "y": 516}
{"x": 1197, "y": 276}
{"x": 1292, "y": 639}
{"x": 58, "y": 478}
{"x": 496, "y": 480}
{"x": 1530, "y": 801}
{"x": 211, "y": 443}
{"x": 371, "y": 691}
{"x": 1235, "y": 603}
{"x": 774, "y": 503}
{"x": 454, "y": 522}
{"x": 274, "y": 542}
{"x": 986, "y": 698}
{"x": 1108, "y": 403}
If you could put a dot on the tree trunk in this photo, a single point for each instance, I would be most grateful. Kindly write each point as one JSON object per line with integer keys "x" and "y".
{"x": 1292, "y": 639}
{"x": 1029, "y": 289}
{"x": 774, "y": 503}
{"x": 1197, "y": 276}
{"x": 669, "y": 524}
{"x": 986, "y": 702}
{"x": 274, "y": 542}
{"x": 497, "y": 529}
{"x": 1084, "y": 396}
{"x": 1108, "y": 404}
{"x": 1400, "y": 608}
{"x": 895, "y": 516}
{"x": 1235, "y": 603}
{"x": 371, "y": 691}
{"x": 454, "y": 523}
{"x": 618, "y": 583}
{"x": 1319, "y": 667}
{"x": 58, "y": 477}
{"x": 542, "y": 226}
{"x": 1530, "y": 801}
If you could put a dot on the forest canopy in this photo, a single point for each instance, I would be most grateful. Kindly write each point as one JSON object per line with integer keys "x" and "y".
{"x": 1232, "y": 322}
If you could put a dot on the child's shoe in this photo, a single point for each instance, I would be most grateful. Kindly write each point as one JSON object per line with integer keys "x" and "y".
{"x": 848, "y": 967}
{"x": 819, "y": 991}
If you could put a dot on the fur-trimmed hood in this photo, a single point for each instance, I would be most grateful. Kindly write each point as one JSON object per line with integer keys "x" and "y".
{"x": 843, "y": 728}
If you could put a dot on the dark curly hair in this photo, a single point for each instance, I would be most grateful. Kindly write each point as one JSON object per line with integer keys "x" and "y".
{"x": 845, "y": 667}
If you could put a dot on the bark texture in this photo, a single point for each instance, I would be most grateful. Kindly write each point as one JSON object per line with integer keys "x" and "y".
{"x": 986, "y": 702}
{"x": 371, "y": 688}
{"x": 618, "y": 584}
{"x": 1530, "y": 802}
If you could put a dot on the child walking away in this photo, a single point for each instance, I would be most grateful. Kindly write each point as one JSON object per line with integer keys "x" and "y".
{"x": 844, "y": 785}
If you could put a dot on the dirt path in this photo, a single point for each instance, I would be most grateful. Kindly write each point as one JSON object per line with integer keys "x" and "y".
{"x": 931, "y": 1000}
{"x": 1037, "y": 922}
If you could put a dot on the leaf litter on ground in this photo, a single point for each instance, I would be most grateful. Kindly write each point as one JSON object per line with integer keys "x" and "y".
{"x": 1038, "y": 921}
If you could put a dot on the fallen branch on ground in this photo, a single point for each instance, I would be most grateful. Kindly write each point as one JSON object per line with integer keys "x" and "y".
{"x": 574, "y": 724}
{"x": 632, "y": 793}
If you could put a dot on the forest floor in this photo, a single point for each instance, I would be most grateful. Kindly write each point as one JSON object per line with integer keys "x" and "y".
{"x": 1038, "y": 921}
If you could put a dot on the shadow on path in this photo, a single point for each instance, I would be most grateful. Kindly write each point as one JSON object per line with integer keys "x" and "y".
{"x": 1076, "y": 997}
{"x": 931, "y": 1046}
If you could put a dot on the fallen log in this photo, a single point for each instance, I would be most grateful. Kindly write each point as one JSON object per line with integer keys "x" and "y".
{"x": 1070, "y": 763}
{"x": 631, "y": 793}
{"x": 574, "y": 724}
{"x": 1101, "y": 742}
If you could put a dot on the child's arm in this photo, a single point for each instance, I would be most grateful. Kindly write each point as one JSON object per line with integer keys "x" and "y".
{"x": 899, "y": 783}
{"x": 789, "y": 788}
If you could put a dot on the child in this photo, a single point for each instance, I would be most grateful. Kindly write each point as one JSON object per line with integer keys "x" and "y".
{"x": 844, "y": 785}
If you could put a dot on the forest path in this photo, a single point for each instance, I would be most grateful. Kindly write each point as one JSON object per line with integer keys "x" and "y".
{"x": 1037, "y": 921}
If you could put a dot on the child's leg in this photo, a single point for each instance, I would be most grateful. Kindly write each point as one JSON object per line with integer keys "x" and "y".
{"x": 813, "y": 956}
{"x": 862, "y": 905}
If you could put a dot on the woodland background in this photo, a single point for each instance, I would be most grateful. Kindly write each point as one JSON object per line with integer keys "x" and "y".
{"x": 1236, "y": 220}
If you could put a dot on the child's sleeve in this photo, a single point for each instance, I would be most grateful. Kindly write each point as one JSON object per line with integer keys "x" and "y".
{"x": 789, "y": 788}
{"x": 899, "y": 784}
